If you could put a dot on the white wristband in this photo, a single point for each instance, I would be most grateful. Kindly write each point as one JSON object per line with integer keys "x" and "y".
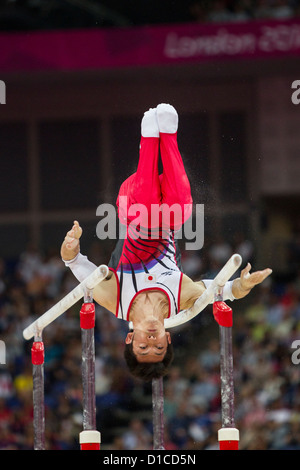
{"x": 80, "y": 266}
{"x": 227, "y": 289}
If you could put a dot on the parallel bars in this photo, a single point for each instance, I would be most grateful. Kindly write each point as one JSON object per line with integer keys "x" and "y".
{"x": 228, "y": 435}
{"x": 89, "y": 437}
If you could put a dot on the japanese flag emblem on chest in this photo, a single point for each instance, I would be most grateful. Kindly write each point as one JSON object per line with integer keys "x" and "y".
{"x": 150, "y": 278}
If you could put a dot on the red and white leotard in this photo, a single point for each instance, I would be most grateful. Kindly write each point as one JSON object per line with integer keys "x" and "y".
{"x": 156, "y": 269}
{"x": 148, "y": 263}
{"x": 144, "y": 262}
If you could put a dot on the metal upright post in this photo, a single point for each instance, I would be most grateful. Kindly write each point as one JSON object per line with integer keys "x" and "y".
{"x": 37, "y": 359}
{"x": 90, "y": 438}
{"x": 158, "y": 413}
{"x": 228, "y": 435}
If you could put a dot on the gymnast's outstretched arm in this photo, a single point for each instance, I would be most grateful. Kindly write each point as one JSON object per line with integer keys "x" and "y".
{"x": 236, "y": 289}
{"x": 105, "y": 293}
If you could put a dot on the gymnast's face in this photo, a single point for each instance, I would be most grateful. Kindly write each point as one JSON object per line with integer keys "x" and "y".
{"x": 149, "y": 338}
{"x": 149, "y": 345}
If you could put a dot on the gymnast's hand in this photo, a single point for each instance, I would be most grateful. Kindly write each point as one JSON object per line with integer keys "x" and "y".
{"x": 243, "y": 285}
{"x": 70, "y": 246}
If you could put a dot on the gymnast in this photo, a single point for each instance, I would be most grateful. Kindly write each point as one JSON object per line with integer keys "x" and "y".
{"x": 145, "y": 284}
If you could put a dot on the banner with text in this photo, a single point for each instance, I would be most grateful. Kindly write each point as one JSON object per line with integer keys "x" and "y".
{"x": 147, "y": 45}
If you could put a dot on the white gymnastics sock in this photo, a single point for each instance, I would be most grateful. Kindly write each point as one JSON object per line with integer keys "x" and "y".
{"x": 80, "y": 266}
{"x": 149, "y": 125}
{"x": 167, "y": 118}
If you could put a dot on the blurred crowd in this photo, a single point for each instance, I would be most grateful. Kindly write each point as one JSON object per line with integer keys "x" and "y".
{"x": 28, "y": 15}
{"x": 243, "y": 10}
{"x": 267, "y": 374}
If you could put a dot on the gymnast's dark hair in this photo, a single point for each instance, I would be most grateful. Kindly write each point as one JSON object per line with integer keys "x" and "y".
{"x": 148, "y": 370}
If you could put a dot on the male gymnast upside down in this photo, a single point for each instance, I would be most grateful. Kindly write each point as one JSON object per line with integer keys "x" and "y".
{"x": 145, "y": 284}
